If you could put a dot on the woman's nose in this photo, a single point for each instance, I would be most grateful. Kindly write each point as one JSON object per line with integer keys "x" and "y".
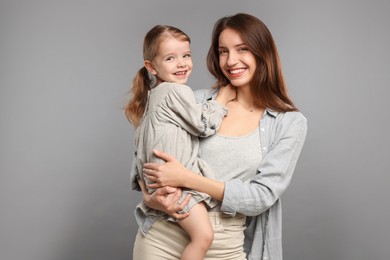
{"x": 232, "y": 59}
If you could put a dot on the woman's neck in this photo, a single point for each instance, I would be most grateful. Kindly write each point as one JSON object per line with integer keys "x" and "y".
{"x": 244, "y": 98}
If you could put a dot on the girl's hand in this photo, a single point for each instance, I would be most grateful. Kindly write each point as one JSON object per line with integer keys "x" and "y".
{"x": 171, "y": 173}
{"x": 166, "y": 199}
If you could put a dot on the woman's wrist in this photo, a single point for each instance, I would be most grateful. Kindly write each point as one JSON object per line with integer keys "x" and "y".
{"x": 186, "y": 178}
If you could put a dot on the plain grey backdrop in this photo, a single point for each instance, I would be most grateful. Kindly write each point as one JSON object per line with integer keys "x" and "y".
{"x": 65, "y": 147}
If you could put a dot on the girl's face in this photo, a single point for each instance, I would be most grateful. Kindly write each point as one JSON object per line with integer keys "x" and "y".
{"x": 173, "y": 62}
{"x": 236, "y": 61}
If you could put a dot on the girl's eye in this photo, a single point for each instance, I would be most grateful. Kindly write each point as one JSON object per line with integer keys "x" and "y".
{"x": 169, "y": 58}
{"x": 188, "y": 55}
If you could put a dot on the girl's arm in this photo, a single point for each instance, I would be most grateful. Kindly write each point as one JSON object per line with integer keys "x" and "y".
{"x": 174, "y": 174}
{"x": 198, "y": 119}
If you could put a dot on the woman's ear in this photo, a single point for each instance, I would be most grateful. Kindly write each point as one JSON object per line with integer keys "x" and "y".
{"x": 149, "y": 66}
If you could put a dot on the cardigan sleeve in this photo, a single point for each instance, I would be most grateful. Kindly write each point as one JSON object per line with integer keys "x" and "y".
{"x": 273, "y": 175}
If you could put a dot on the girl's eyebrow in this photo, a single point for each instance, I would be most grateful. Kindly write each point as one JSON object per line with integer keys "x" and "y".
{"x": 166, "y": 55}
{"x": 173, "y": 54}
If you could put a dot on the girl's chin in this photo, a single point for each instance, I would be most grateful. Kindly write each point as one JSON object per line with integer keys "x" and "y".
{"x": 181, "y": 80}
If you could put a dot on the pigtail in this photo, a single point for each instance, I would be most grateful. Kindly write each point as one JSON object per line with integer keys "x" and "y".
{"x": 139, "y": 96}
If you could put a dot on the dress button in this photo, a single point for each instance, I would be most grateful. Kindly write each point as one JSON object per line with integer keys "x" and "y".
{"x": 264, "y": 148}
{"x": 262, "y": 129}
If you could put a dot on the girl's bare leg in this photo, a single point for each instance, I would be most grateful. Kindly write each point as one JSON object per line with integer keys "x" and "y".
{"x": 198, "y": 227}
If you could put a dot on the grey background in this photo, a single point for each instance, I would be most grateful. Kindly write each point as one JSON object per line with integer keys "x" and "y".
{"x": 65, "y": 71}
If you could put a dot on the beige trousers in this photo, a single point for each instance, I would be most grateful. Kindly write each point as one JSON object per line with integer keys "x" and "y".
{"x": 166, "y": 240}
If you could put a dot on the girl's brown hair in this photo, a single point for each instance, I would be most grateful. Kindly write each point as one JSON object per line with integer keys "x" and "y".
{"x": 267, "y": 86}
{"x": 143, "y": 81}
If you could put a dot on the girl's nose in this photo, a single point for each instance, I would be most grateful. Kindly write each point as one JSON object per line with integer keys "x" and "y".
{"x": 181, "y": 63}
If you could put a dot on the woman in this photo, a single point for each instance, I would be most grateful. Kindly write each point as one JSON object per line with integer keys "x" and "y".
{"x": 254, "y": 154}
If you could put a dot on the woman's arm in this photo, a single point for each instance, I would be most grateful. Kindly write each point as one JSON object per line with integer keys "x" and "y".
{"x": 174, "y": 174}
{"x": 166, "y": 199}
{"x": 274, "y": 174}
{"x": 265, "y": 188}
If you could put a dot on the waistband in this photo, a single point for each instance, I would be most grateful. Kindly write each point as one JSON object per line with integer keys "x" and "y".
{"x": 237, "y": 219}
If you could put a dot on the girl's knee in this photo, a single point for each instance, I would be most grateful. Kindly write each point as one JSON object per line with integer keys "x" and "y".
{"x": 205, "y": 239}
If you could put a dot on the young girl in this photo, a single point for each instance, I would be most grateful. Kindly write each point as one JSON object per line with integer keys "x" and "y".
{"x": 167, "y": 117}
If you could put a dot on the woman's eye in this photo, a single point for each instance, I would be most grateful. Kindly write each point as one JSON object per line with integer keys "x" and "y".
{"x": 243, "y": 49}
{"x": 221, "y": 52}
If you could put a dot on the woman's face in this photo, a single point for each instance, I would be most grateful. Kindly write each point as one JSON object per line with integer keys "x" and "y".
{"x": 236, "y": 61}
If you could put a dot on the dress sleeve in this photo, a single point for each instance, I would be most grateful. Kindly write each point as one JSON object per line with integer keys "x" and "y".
{"x": 134, "y": 172}
{"x": 273, "y": 176}
{"x": 182, "y": 109}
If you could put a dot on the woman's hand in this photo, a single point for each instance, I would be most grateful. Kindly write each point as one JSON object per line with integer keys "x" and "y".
{"x": 171, "y": 173}
{"x": 166, "y": 199}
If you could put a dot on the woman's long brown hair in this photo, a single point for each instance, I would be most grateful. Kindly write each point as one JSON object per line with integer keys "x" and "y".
{"x": 142, "y": 81}
{"x": 267, "y": 86}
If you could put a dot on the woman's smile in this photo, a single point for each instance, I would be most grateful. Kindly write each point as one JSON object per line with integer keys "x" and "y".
{"x": 235, "y": 73}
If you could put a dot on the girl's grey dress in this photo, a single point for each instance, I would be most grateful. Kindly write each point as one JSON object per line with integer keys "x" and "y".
{"x": 172, "y": 123}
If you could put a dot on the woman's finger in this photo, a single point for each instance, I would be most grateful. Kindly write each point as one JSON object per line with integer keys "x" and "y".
{"x": 164, "y": 156}
{"x": 151, "y": 166}
{"x": 150, "y": 178}
{"x": 180, "y": 216}
{"x": 154, "y": 186}
{"x": 149, "y": 172}
{"x": 165, "y": 190}
{"x": 184, "y": 203}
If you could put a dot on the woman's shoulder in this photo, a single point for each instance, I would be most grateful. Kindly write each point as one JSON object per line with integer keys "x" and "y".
{"x": 286, "y": 119}
{"x": 295, "y": 115}
{"x": 291, "y": 118}
{"x": 289, "y": 115}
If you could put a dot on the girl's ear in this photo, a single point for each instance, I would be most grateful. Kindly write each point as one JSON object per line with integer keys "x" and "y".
{"x": 149, "y": 66}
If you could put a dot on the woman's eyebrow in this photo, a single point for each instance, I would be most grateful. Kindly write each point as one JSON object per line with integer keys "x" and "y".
{"x": 237, "y": 45}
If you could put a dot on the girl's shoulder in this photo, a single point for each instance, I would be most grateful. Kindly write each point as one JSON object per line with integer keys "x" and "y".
{"x": 174, "y": 88}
